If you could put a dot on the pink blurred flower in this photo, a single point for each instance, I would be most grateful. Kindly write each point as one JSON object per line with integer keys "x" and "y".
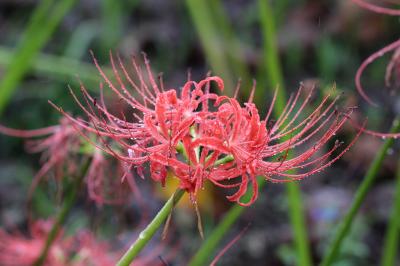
{"x": 18, "y": 250}
{"x": 384, "y": 7}
{"x": 86, "y": 250}
{"x": 104, "y": 182}
{"x": 58, "y": 145}
{"x": 197, "y": 135}
{"x": 80, "y": 249}
{"x": 89, "y": 251}
{"x": 392, "y": 69}
{"x": 62, "y": 151}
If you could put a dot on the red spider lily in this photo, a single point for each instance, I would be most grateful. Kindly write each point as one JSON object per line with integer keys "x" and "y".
{"x": 223, "y": 142}
{"x": 259, "y": 151}
{"x": 61, "y": 149}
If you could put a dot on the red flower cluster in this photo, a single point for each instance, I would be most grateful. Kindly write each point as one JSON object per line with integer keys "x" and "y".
{"x": 198, "y": 135}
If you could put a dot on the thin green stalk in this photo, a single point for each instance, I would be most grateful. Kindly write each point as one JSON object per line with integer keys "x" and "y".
{"x": 151, "y": 229}
{"x": 297, "y": 220}
{"x": 275, "y": 78}
{"x": 271, "y": 63}
{"x": 213, "y": 46}
{"x": 69, "y": 202}
{"x": 391, "y": 244}
{"x": 226, "y": 159}
{"x": 42, "y": 24}
{"x": 345, "y": 226}
{"x": 233, "y": 48}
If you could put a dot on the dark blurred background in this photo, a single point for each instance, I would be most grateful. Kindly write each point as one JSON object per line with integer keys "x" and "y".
{"x": 318, "y": 42}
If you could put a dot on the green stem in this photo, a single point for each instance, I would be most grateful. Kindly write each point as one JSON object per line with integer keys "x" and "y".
{"x": 391, "y": 243}
{"x": 297, "y": 220}
{"x": 151, "y": 229}
{"x": 226, "y": 159}
{"x": 271, "y": 63}
{"x": 345, "y": 225}
{"x": 275, "y": 78}
{"x": 62, "y": 215}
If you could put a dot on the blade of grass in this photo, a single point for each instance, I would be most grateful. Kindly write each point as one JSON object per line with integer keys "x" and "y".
{"x": 58, "y": 67}
{"x": 211, "y": 41}
{"x": 391, "y": 242}
{"x": 42, "y": 24}
{"x": 271, "y": 63}
{"x": 345, "y": 225}
{"x": 112, "y": 22}
{"x": 80, "y": 39}
{"x": 36, "y": 19}
{"x": 234, "y": 51}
